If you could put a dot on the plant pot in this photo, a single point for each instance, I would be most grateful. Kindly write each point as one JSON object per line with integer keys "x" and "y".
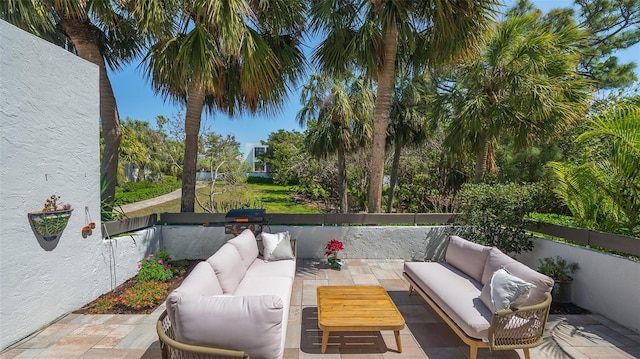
{"x": 561, "y": 292}
{"x": 335, "y": 263}
{"x": 50, "y": 224}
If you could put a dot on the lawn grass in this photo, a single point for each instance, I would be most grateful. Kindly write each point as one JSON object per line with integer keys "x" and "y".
{"x": 273, "y": 198}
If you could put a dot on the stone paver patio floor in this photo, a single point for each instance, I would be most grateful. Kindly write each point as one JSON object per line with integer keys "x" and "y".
{"x": 425, "y": 336}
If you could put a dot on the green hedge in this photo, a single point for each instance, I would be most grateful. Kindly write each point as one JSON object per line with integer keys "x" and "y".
{"x": 139, "y": 191}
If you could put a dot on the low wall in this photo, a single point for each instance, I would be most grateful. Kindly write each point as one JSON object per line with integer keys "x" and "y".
{"x": 606, "y": 284}
{"x": 409, "y": 242}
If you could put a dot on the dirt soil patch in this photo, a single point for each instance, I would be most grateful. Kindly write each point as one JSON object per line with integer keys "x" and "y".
{"x": 174, "y": 282}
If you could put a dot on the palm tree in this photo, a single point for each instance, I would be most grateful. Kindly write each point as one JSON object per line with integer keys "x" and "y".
{"x": 524, "y": 85}
{"x": 604, "y": 191}
{"x": 375, "y": 35}
{"x": 409, "y": 126}
{"x": 338, "y": 112}
{"x": 98, "y": 32}
{"x": 226, "y": 55}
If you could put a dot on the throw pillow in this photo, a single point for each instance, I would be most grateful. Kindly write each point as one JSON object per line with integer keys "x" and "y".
{"x": 277, "y": 246}
{"x": 504, "y": 291}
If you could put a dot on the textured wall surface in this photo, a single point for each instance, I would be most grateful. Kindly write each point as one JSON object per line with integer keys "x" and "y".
{"x": 49, "y": 143}
{"x": 410, "y": 243}
{"x": 605, "y": 284}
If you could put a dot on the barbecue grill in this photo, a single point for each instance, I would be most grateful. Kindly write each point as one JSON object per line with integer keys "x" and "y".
{"x": 237, "y": 220}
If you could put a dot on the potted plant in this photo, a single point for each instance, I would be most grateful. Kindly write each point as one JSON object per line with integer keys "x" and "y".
{"x": 331, "y": 251}
{"x": 52, "y": 219}
{"x": 562, "y": 273}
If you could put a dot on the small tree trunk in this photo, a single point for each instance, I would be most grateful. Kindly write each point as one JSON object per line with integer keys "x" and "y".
{"x": 195, "y": 101}
{"x": 481, "y": 162}
{"x": 394, "y": 174}
{"x": 342, "y": 180}
{"x": 386, "y": 79}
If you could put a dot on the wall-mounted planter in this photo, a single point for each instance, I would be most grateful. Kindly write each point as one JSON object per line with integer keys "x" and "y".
{"x": 50, "y": 224}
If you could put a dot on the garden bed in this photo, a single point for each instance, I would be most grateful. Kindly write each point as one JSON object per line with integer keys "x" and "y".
{"x": 119, "y": 308}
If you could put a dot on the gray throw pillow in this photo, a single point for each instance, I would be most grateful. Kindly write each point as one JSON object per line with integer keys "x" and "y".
{"x": 277, "y": 246}
{"x": 504, "y": 291}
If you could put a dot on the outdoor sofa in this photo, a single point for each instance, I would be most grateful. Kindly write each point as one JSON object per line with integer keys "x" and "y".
{"x": 233, "y": 305}
{"x": 487, "y": 298}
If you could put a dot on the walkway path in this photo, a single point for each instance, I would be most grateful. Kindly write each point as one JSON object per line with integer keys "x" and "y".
{"x": 136, "y": 206}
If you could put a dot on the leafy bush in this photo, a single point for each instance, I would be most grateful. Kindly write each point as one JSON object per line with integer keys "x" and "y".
{"x": 152, "y": 268}
{"x": 259, "y": 180}
{"x": 139, "y": 191}
{"x": 144, "y": 294}
{"x": 102, "y": 305}
{"x": 494, "y": 215}
{"x": 558, "y": 269}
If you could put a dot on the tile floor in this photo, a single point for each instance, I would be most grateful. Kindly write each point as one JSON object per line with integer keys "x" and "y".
{"x": 425, "y": 336}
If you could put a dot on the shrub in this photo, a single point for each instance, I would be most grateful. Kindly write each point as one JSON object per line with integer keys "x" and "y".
{"x": 102, "y": 305}
{"x": 152, "y": 268}
{"x": 494, "y": 215}
{"x": 144, "y": 294}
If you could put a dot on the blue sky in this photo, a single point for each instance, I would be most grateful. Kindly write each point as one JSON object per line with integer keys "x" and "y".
{"x": 136, "y": 99}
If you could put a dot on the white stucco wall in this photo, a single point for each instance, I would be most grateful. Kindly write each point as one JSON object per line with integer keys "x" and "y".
{"x": 410, "y": 242}
{"x": 49, "y": 143}
{"x": 605, "y": 284}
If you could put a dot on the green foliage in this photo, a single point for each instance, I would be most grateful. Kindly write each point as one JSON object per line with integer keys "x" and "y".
{"x": 131, "y": 192}
{"x": 494, "y": 215}
{"x": 558, "y": 269}
{"x": 102, "y": 305}
{"x": 554, "y": 218}
{"x": 259, "y": 180}
{"x": 144, "y": 294}
{"x": 285, "y": 150}
{"x": 164, "y": 255}
{"x": 152, "y": 268}
{"x": 602, "y": 190}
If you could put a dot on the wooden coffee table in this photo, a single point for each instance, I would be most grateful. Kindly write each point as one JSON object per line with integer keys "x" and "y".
{"x": 357, "y": 308}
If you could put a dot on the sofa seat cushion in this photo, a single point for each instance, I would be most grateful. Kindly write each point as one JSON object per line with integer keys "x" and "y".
{"x": 259, "y": 285}
{"x": 247, "y": 247}
{"x": 283, "y": 268}
{"x": 456, "y": 293}
{"x": 227, "y": 264}
{"x": 467, "y": 256}
{"x": 249, "y": 323}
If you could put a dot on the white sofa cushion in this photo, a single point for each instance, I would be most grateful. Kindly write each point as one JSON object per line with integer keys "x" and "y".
{"x": 247, "y": 247}
{"x": 260, "y": 268}
{"x": 249, "y": 323}
{"x": 504, "y": 291}
{"x": 467, "y": 256}
{"x": 227, "y": 264}
{"x": 456, "y": 293}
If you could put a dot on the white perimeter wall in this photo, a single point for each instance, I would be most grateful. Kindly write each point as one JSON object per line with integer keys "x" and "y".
{"x": 49, "y": 143}
{"x": 605, "y": 284}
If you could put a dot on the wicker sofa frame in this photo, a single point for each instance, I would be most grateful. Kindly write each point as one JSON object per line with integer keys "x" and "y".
{"x": 172, "y": 349}
{"x": 501, "y": 335}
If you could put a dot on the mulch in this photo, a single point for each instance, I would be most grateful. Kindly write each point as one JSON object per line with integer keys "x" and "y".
{"x": 567, "y": 308}
{"x": 174, "y": 282}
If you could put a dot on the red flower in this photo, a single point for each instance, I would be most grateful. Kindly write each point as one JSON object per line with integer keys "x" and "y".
{"x": 333, "y": 246}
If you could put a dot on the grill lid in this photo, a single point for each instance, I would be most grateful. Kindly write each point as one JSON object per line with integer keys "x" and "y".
{"x": 245, "y": 215}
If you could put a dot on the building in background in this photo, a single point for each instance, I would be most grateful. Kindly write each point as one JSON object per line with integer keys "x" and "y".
{"x": 257, "y": 167}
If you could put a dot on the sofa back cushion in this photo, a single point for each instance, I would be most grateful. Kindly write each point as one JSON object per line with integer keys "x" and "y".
{"x": 541, "y": 283}
{"x": 467, "y": 256}
{"x": 247, "y": 247}
{"x": 495, "y": 260}
{"x": 228, "y": 266}
{"x": 249, "y": 323}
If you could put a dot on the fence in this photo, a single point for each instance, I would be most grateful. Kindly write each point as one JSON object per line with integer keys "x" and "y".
{"x": 589, "y": 238}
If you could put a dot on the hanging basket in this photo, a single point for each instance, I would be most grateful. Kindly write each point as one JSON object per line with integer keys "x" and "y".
{"x": 50, "y": 224}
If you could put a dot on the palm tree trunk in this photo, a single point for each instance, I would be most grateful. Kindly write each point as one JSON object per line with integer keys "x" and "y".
{"x": 195, "y": 101}
{"x": 386, "y": 79}
{"x": 80, "y": 33}
{"x": 394, "y": 174}
{"x": 481, "y": 162}
{"x": 342, "y": 180}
